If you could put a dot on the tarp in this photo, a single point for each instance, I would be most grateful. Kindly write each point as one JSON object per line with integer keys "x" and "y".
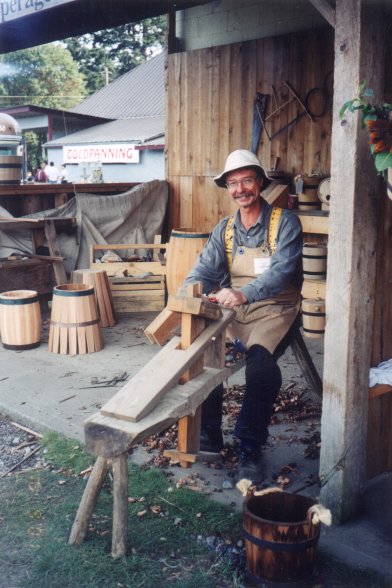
{"x": 135, "y": 216}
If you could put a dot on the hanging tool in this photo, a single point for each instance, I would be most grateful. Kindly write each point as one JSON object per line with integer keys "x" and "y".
{"x": 259, "y": 110}
{"x": 304, "y": 104}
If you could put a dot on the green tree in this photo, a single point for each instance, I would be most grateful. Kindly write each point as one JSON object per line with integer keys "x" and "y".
{"x": 34, "y": 141}
{"x": 43, "y": 76}
{"x": 104, "y": 55}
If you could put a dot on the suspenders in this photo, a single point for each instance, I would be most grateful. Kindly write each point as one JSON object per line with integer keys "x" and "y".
{"x": 272, "y": 233}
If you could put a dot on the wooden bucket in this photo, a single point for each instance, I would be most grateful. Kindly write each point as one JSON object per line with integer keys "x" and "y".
{"x": 183, "y": 249}
{"x": 313, "y": 317}
{"x": 10, "y": 169}
{"x": 20, "y": 319}
{"x": 314, "y": 261}
{"x": 280, "y": 538}
{"x": 100, "y": 282}
{"x": 74, "y": 322}
{"x": 308, "y": 199}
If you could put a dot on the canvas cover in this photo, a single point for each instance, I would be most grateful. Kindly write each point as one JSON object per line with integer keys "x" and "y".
{"x": 135, "y": 216}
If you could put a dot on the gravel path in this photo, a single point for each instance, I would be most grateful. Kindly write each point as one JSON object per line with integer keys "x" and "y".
{"x": 19, "y": 448}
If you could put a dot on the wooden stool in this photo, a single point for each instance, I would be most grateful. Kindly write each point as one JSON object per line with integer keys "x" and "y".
{"x": 100, "y": 281}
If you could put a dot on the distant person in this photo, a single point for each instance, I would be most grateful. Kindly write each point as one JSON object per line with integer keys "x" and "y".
{"x": 52, "y": 173}
{"x": 40, "y": 175}
{"x": 64, "y": 174}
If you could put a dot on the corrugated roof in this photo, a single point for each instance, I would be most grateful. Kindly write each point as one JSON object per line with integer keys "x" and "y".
{"x": 138, "y": 93}
{"x": 136, "y": 130}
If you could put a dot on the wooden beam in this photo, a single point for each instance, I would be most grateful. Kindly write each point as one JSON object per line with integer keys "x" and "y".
{"x": 58, "y": 266}
{"x": 196, "y": 306}
{"x": 325, "y": 10}
{"x": 162, "y": 328}
{"x": 88, "y": 502}
{"x": 379, "y": 390}
{"x": 143, "y": 392}
{"x": 359, "y": 55}
{"x": 108, "y": 436}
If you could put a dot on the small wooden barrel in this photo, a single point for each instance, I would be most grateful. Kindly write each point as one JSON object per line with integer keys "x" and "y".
{"x": 100, "y": 281}
{"x": 10, "y": 169}
{"x": 183, "y": 248}
{"x": 280, "y": 538}
{"x": 74, "y": 322}
{"x": 314, "y": 261}
{"x": 313, "y": 317}
{"x": 20, "y": 319}
{"x": 308, "y": 199}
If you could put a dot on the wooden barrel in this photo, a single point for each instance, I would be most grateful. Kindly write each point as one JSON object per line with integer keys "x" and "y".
{"x": 184, "y": 247}
{"x": 313, "y": 317}
{"x": 10, "y": 169}
{"x": 20, "y": 319}
{"x": 74, "y": 322}
{"x": 308, "y": 199}
{"x": 314, "y": 261}
{"x": 280, "y": 538}
{"x": 100, "y": 282}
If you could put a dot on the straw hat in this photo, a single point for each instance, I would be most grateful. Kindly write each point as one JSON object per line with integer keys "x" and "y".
{"x": 237, "y": 160}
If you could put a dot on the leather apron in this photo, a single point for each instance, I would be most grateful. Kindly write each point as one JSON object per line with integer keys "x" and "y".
{"x": 264, "y": 322}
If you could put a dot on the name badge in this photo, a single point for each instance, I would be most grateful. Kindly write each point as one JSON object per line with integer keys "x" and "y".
{"x": 261, "y": 264}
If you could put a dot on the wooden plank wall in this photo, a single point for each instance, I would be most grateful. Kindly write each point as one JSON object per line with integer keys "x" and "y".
{"x": 210, "y": 97}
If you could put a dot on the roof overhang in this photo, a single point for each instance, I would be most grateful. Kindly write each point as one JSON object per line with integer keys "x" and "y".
{"x": 26, "y": 24}
{"x": 30, "y": 110}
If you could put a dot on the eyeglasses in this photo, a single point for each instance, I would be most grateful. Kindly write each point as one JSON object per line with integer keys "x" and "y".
{"x": 246, "y": 182}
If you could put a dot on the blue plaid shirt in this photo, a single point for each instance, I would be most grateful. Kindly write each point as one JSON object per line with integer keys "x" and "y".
{"x": 211, "y": 267}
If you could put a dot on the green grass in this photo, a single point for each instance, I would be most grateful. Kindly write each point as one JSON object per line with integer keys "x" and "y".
{"x": 37, "y": 509}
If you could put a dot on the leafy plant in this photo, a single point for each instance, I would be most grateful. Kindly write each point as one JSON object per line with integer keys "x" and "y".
{"x": 377, "y": 119}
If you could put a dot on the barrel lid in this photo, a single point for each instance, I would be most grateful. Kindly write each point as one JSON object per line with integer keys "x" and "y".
{"x": 9, "y": 128}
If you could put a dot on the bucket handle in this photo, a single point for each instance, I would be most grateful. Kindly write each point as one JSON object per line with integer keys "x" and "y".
{"x": 247, "y": 488}
{"x": 317, "y": 514}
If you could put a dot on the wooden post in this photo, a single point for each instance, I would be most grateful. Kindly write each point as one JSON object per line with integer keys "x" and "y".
{"x": 359, "y": 46}
{"x": 89, "y": 499}
{"x": 120, "y": 505}
{"x": 189, "y": 426}
{"x": 58, "y": 266}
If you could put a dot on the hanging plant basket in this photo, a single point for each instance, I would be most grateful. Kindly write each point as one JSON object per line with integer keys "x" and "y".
{"x": 377, "y": 119}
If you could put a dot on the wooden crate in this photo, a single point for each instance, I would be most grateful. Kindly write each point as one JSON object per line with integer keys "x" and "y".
{"x": 136, "y": 286}
{"x": 132, "y": 294}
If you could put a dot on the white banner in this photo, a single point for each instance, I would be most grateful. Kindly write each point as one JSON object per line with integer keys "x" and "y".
{"x": 105, "y": 153}
{"x": 11, "y": 9}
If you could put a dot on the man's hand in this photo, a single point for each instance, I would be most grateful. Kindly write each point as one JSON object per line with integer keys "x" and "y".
{"x": 230, "y": 298}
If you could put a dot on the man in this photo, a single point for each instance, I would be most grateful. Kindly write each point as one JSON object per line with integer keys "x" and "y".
{"x": 52, "y": 173}
{"x": 252, "y": 263}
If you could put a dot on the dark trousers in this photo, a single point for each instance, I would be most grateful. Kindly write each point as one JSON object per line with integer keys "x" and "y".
{"x": 262, "y": 384}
